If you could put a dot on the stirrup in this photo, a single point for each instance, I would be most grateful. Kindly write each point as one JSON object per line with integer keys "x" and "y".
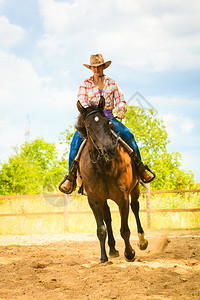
{"x": 72, "y": 188}
{"x": 142, "y": 168}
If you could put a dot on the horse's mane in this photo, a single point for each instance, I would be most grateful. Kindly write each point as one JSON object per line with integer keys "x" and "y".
{"x": 80, "y": 126}
{"x": 80, "y": 120}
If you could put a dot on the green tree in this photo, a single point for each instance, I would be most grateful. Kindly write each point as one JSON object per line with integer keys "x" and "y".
{"x": 152, "y": 138}
{"x": 65, "y": 138}
{"x": 33, "y": 168}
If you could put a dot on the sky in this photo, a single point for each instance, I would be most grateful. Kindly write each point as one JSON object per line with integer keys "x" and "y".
{"x": 154, "y": 47}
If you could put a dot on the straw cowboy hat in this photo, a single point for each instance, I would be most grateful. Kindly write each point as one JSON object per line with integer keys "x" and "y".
{"x": 97, "y": 60}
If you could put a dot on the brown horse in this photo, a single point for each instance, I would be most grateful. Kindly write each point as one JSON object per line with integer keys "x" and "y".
{"x": 107, "y": 172}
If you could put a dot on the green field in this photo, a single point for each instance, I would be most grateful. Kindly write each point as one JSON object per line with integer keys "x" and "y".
{"x": 85, "y": 222}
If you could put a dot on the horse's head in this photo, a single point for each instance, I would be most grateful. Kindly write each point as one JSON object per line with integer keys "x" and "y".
{"x": 97, "y": 129}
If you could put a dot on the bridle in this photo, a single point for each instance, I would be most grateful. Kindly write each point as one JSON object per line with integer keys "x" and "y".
{"x": 100, "y": 155}
{"x": 117, "y": 138}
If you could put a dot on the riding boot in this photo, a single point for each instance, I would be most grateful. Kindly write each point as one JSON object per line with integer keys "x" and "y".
{"x": 142, "y": 169}
{"x": 68, "y": 185}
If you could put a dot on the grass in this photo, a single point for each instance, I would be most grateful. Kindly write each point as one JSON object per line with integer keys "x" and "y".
{"x": 30, "y": 224}
{"x": 85, "y": 222}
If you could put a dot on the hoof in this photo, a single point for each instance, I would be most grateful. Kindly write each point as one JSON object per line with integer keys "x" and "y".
{"x": 114, "y": 253}
{"x": 143, "y": 243}
{"x": 130, "y": 257}
{"x": 103, "y": 260}
{"x": 143, "y": 246}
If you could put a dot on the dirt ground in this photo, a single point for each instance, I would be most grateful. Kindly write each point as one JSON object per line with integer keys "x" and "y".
{"x": 66, "y": 266}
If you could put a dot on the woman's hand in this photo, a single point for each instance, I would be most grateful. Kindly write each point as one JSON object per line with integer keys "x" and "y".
{"x": 121, "y": 114}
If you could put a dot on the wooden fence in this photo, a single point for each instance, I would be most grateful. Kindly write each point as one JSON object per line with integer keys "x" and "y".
{"x": 65, "y": 212}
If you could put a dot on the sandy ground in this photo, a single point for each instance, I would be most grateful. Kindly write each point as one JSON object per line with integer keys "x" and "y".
{"x": 66, "y": 266}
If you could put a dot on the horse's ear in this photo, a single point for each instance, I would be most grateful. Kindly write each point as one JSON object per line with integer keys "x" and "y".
{"x": 101, "y": 103}
{"x": 80, "y": 107}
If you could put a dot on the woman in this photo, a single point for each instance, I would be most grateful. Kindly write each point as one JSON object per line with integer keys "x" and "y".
{"x": 90, "y": 92}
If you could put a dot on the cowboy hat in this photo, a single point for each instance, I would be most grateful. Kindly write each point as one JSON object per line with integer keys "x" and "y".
{"x": 97, "y": 60}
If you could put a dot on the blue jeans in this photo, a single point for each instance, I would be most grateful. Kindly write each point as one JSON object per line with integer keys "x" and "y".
{"x": 124, "y": 133}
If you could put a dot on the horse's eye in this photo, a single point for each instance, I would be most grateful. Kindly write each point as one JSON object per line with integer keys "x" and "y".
{"x": 96, "y": 119}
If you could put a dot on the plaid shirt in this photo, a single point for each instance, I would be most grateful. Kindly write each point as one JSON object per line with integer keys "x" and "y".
{"x": 89, "y": 94}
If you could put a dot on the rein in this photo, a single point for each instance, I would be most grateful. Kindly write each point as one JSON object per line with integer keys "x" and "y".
{"x": 117, "y": 138}
{"x": 95, "y": 146}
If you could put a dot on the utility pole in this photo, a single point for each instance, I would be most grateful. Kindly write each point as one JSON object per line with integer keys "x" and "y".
{"x": 27, "y": 128}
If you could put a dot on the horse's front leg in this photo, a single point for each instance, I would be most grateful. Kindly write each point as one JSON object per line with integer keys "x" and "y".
{"x": 129, "y": 252}
{"x": 143, "y": 242}
{"x": 101, "y": 228}
{"x": 111, "y": 241}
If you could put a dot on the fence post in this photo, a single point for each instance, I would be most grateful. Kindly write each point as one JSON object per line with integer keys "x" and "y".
{"x": 148, "y": 205}
{"x": 66, "y": 224}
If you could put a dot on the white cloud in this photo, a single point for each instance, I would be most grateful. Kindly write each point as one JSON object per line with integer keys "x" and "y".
{"x": 21, "y": 86}
{"x": 10, "y": 136}
{"x": 177, "y": 126}
{"x": 19, "y": 82}
{"x": 169, "y": 121}
{"x": 16, "y": 73}
{"x": 23, "y": 91}
{"x": 9, "y": 34}
{"x": 178, "y": 113}
{"x": 154, "y": 35}
{"x": 187, "y": 125}
{"x": 175, "y": 103}
{"x": 183, "y": 139}
{"x": 53, "y": 11}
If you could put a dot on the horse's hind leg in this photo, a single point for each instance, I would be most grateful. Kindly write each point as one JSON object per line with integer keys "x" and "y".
{"x": 143, "y": 243}
{"x": 101, "y": 228}
{"x": 111, "y": 241}
{"x": 129, "y": 253}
